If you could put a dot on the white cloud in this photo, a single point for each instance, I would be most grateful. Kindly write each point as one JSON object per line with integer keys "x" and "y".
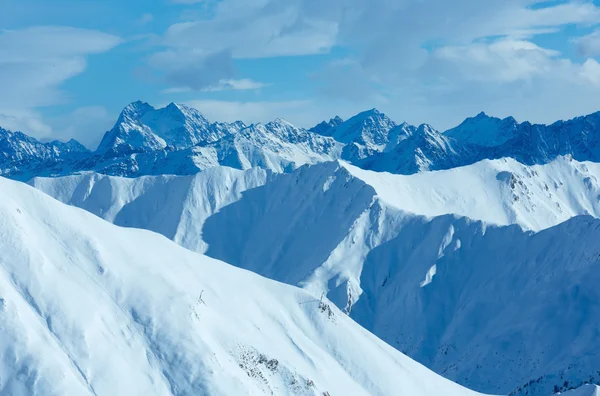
{"x": 196, "y": 71}
{"x": 35, "y": 61}
{"x": 500, "y": 61}
{"x": 589, "y": 45}
{"x": 283, "y": 33}
{"x": 85, "y": 124}
{"x": 476, "y": 41}
{"x": 590, "y": 71}
{"x": 26, "y": 121}
{"x": 244, "y": 84}
{"x": 146, "y": 18}
{"x": 231, "y": 111}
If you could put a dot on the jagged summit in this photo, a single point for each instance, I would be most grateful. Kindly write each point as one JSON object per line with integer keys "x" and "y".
{"x": 142, "y": 128}
{"x": 179, "y": 139}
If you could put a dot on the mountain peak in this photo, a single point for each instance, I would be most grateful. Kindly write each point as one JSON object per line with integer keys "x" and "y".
{"x": 325, "y": 127}
{"x": 485, "y": 131}
{"x": 134, "y": 111}
{"x": 368, "y": 113}
{"x": 280, "y": 121}
{"x": 336, "y": 120}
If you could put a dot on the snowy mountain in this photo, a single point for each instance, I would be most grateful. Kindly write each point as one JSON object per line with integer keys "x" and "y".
{"x": 174, "y": 206}
{"x": 177, "y": 139}
{"x": 484, "y": 137}
{"x": 142, "y": 128}
{"x": 418, "y": 149}
{"x": 386, "y": 249}
{"x": 24, "y": 157}
{"x": 585, "y": 390}
{"x": 88, "y": 308}
{"x": 364, "y": 134}
{"x": 490, "y": 137}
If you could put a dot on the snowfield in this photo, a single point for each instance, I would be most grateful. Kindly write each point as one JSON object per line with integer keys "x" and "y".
{"x": 477, "y": 256}
{"x": 499, "y": 192}
{"x": 174, "y": 206}
{"x": 89, "y": 308}
{"x": 488, "y": 303}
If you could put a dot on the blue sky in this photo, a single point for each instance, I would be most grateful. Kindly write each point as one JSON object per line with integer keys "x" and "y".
{"x": 67, "y": 67}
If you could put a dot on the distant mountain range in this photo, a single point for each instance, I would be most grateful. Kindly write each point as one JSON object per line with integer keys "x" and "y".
{"x": 179, "y": 140}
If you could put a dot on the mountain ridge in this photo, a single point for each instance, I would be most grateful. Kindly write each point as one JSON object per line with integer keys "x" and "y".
{"x": 180, "y": 140}
{"x": 95, "y": 309}
{"x": 376, "y": 236}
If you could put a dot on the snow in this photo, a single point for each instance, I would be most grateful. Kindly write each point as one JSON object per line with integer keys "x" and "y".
{"x": 501, "y": 191}
{"x": 481, "y": 267}
{"x": 180, "y": 140}
{"x": 585, "y": 390}
{"x": 92, "y": 308}
{"x": 393, "y": 252}
{"x": 174, "y": 206}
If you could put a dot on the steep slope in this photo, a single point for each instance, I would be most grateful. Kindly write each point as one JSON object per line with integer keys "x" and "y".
{"x": 364, "y": 134}
{"x": 174, "y": 206}
{"x": 489, "y": 137}
{"x": 585, "y": 390}
{"x": 494, "y": 308}
{"x": 496, "y": 191}
{"x": 179, "y": 140}
{"x": 142, "y": 128}
{"x": 484, "y": 137}
{"x": 500, "y": 192}
{"x": 417, "y": 149}
{"x": 90, "y": 308}
{"x": 423, "y": 284}
{"x": 277, "y": 145}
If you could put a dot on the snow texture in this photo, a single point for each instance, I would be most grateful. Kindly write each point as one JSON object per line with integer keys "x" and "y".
{"x": 89, "y": 308}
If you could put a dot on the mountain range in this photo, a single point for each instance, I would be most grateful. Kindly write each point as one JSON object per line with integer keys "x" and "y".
{"x": 90, "y": 308}
{"x": 179, "y": 140}
{"x": 420, "y": 260}
{"x": 473, "y": 251}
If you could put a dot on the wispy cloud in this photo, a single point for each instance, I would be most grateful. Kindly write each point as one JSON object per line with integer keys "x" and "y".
{"x": 35, "y": 61}
{"x": 244, "y": 84}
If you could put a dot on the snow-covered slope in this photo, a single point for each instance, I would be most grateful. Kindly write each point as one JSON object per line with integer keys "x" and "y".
{"x": 484, "y": 137}
{"x": 500, "y": 191}
{"x": 363, "y": 135}
{"x": 489, "y": 137}
{"x": 90, "y": 308}
{"x": 418, "y": 149}
{"x": 496, "y": 191}
{"x": 141, "y": 128}
{"x": 179, "y": 140}
{"x": 585, "y": 390}
{"x": 174, "y": 206}
{"x": 494, "y": 308}
{"x": 420, "y": 283}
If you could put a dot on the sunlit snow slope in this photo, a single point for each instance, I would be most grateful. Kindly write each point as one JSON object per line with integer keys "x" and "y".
{"x": 384, "y": 249}
{"x": 174, "y": 206}
{"x": 88, "y": 308}
{"x": 500, "y": 191}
